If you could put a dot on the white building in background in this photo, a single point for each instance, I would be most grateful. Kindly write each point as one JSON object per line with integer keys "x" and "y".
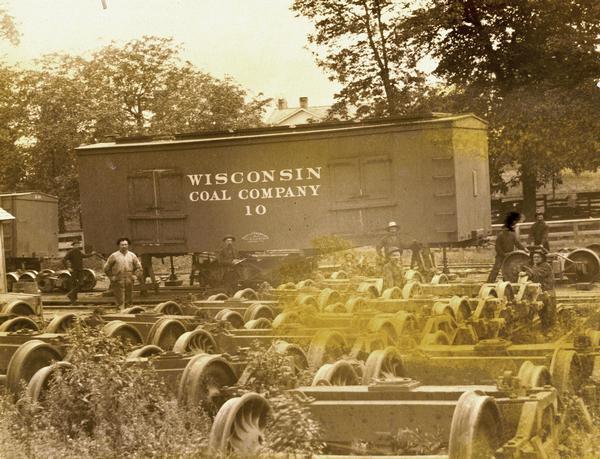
{"x": 283, "y": 115}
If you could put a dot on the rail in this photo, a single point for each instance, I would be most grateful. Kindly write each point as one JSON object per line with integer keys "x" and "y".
{"x": 577, "y": 230}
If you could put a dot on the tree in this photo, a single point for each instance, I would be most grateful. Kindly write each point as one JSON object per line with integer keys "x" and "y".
{"x": 143, "y": 87}
{"x": 529, "y": 67}
{"x": 8, "y": 28}
{"x": 139, "y": 88}
{"x": 361, "y": 46}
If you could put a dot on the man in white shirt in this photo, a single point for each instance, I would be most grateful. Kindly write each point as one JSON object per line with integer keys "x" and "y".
{"x": 122, "y": 268}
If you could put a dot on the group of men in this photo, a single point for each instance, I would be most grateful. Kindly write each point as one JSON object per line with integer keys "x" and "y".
{"x": 539, "y": 270}
{"x": 123, "y": 267}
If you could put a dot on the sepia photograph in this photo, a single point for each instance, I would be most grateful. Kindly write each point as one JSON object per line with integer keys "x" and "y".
{"x": 300, "y": 229}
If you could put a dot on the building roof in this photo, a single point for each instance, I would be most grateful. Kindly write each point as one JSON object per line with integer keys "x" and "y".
{"x": 279, "y": 131}
{"x": 28, "y": 193}
{"x": 4, "y": 215}
{"x": 279, "y": 115}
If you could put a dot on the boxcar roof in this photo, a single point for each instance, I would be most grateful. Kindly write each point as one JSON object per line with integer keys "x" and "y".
{"x": 279, "y": 131}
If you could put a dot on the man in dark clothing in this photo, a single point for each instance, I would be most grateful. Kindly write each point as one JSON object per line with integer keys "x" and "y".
{"x": 74, "y": 259}
{"x": 226, "y": 258}
{"x": 539, "y": 232}
{"x": 393, "y": 274}
{"x": 390, "y": 241}
{"x": 147, "y": 272}
{"x": 506, "y": 242}
{"x": 540, "y": 271}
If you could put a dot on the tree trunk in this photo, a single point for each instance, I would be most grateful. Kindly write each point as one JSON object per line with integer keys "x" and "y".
{"x": 529, "y": 182}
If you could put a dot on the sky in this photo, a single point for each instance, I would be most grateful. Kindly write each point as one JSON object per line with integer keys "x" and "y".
{"x": 260, "y": 43}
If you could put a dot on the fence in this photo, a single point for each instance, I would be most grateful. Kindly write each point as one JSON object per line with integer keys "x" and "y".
{"x": 66, "y": 239}
{"x": 576, "y": 230}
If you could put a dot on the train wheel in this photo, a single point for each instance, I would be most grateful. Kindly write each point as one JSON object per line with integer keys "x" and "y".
{"x": 567, "y": 371}
{"x": 512, "y": 265}
{"x": 165, "y": 332}
{"x": 594, "y": 336}
{"x": 239, "y": 425}
{"x": 337, "y": 308}
{"x": 64, "y": 280}
{"x": 385, "y": 327}
{"x": 461, "y": 307}
{"x": 89, "y": 280}
{"x": 305, "y": 299}
{"x": 532, "y": 375}
{"x": 246, "y": 294}
{"x": 170, "y": 308}
{"x": 369, "y": 289}
{"x": 258, "y": 311}
{"x": 325, "y": 347}
{"x": 27, "y": 276}
{"x": 505, "y": 291}
{"x": 327, "y": 297}
{"x": 27, "y": 360}
{"x": 384, "y": 364}
{"x": 19, "y": 308}
{"x": 40, "y": 381}
{"x": 583, "y": 265}
{"x": 124, "y": 331}
{"x": 19, "y": 323}
{"x": 233, "y": 317}
{"x": 11, "y": 279}
{"x": 339, "y": 275}
{"x": 340, "y": 373}
{"x": 144, "y": 352}
{"x": 294, "y": 352}
{"x": 413, "y": 275}
{"x": 203, "y": 380}
{"x": 62, "y": 323}
{"x": 305, "y": 283}
{"x": 439, "y": 279}
{"x": 594, "y": 248}
{"x": 196, "y": 341}
{"x": 406, "y": 323}
{"x": 435, "y": 338}
{"x": 392, "y": 293}
{"x": 218, "y": 297}
{"x": 411, "y": 290}
{"x": 286, "y": 318}
{"x": 355, "y": 304}
{"x": 365, "y": 344}
{"x": 485, "y": 309}
{"x": 477, "y": 427}
{"x": 440, "y": 308}
{"x": 134, "y": 310}
{"x": 45, "y": 282}
{"x": 258, "y": 324}
{"x": 487, "y": 291}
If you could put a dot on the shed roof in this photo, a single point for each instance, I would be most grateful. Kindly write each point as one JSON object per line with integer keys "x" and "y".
{"x": 28, "y": 193}
{"x": 4, "y": 215}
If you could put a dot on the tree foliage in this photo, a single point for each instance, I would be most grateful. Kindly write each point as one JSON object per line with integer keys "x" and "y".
{"x": 528, "y": 66}
{"x": 142, "y": 87}
{"x": 8, "y": 27}
{"x": 360, "y": 45}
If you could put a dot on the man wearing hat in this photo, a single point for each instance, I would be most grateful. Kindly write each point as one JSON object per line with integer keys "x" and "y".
{"x": 390, "y": 241}
{"x": 540, "y": 271}
{"x": 73, "y": 259}
{"x": 507, "y": 241}
{"x": 393, "y": 274}
{"x": 226, "y": 258}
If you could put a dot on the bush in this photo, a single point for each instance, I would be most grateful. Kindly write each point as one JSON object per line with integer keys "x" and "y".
{"x": 103, "y": 407}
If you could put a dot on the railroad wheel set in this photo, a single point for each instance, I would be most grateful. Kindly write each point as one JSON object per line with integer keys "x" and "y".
{"x": 437, "y": 357}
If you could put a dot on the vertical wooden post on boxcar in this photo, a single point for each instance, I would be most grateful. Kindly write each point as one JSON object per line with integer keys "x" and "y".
{"x": 4, "y": 216}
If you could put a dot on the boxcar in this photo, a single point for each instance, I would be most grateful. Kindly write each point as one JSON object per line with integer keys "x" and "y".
{"x": 281, "y": 188}
{"x": 34, "y": 232}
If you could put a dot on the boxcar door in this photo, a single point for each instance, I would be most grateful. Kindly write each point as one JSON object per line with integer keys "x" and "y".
{"x": 157, "y": 215}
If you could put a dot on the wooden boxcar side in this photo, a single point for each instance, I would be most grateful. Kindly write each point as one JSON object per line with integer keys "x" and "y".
{"x": 281, "y": 189}
{"x": 34, "y": 232}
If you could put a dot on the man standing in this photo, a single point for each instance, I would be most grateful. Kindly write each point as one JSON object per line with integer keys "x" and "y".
{"x": 539, "y": 232}
{"x": 541, "y": 272}
{"x": 148, "y": 272}
{"x": 73, "y": 259}
{"x": 227, "y": 257}
{"x": 393, "y": 274}
{"x": 390, "y": 241}
{"x": 122, "y": 267}
{"x": 506, "y": 242}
